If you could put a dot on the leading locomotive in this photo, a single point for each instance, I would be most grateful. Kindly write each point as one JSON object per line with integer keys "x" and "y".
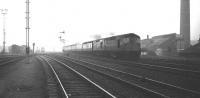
{"x": 126, "y": 46}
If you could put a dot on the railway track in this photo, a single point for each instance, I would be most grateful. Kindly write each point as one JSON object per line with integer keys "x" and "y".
{"x": 167, "y": 67}
{"x": 7, "y": 60}
{"x": 179, "y": 64}
{"x": 181, "y": 61}
{"x": 73, "y": 84}
{"x": 152, "y": 86}
{"x": 170, "y": 77}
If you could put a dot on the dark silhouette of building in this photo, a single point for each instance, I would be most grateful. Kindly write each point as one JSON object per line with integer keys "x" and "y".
{"x": 16, "y": 49}
{"x": 162, "y": 45}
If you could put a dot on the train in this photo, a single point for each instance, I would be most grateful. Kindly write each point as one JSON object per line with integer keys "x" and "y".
{"x": 126, "y": 46}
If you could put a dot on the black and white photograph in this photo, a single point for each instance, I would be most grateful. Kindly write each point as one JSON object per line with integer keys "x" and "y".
{"x": 99, "y": 48}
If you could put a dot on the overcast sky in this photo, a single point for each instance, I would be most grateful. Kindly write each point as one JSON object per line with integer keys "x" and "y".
{"x": 82, "y": 19}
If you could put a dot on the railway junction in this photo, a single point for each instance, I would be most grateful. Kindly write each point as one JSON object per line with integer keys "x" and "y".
{"x": 120, "y": 66}
{"x": 59, "y": 75}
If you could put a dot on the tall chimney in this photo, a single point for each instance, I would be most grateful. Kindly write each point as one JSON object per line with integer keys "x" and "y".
{"x": 185, "y": 22}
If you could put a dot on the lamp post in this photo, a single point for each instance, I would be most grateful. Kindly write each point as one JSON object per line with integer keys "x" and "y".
{"x": 4, "y": 12}
{"x": 27, "y": 27}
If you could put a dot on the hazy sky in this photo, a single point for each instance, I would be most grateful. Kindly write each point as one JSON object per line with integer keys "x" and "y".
{"x": 82, "y": 19}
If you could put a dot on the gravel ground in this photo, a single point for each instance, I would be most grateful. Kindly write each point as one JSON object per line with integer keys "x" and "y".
{"x": 23, "y": 80}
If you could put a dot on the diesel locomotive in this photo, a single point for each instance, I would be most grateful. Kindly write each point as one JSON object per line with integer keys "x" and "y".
{"x": 126, "y": 46}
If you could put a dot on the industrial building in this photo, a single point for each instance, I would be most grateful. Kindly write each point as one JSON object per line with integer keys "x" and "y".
{"x": 16, "y": 49}
{"x": 168, "y": 45}
{"x": 163, "y": 45}
{"x": 173, "y": 44}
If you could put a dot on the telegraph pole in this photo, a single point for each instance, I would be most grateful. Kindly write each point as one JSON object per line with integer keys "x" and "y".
{"x": 4, "y": 12}
{"x": 27, "y": 27}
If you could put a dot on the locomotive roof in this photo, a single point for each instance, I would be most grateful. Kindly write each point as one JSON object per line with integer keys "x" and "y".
{"x": 87, "y": 42}
{"x": 123, "y": 35}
